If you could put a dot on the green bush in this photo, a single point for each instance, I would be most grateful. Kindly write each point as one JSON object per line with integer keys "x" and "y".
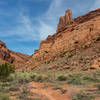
{"x": 90, "y": 78}
{"x": 23, "y": 77}
{"x": 20, "y": 77}
{"x": 12, "y": 77}
{"x": 70, "y": 56}
{"x": 40, "y": 78}
{"x": 4, "y": 96}
{"x": 75, "y": 79}
{"x": 98, "y": 86}
{"x": 6, "y": 69}
{"x": 13, "y": 88}
{"x": 33, "y": 75}
{"x": 63, "y": 54}
{"x": 98, "y": 39}
{"x": 1, "y": 88}
{"x": 82, "y": 96}
{"x": 62, "y": 77}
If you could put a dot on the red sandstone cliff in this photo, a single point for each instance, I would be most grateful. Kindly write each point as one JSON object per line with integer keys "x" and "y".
{"x": 12, "y": 57}
{"x": 72, "y": 33}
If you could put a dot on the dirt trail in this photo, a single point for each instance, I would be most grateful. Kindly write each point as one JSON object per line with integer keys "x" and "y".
{"x": 48, "y": 92}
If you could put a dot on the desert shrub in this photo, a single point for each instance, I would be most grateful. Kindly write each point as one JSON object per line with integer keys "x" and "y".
{"x": 6, "y": 69}
{"x": 98, "y": 86}
{"x": 62, "y": 77}
{"x": 20, "y": 77}
{"x": 56, "y": 87}
{"x": 40, "y": 78}
{"x": 33, "y": 75}
{"x": 80, "y": 79}
{"x": 11, "y": 77}
{"x": 90, "y": 78}
{"x": 70, "y": 56}
{"x": 82, "y": 96}
{"x": 63, "y": 91}
{"x": 4, "y": 96}
{"x": 63, "y": 54}
{"x": 48, "y": 62}
{"x": 75, "y": 79}
{"x": 13, "y": 88}
{"x": 96, "y": 74}
{"x": 1, "y": 87}
{"x": 98, "y": 39}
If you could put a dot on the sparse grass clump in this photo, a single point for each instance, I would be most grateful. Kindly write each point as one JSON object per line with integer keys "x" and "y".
{"x": 63, "y": 54}
{"x": 56, "y": 87}
{"x": 41, "y": 78}
{"x": 98, "y": 86}
{"x": 82, "y": 96}
{"x": 75, "y": 79}
{"x": 20, "y": 77}
{"x": 13, "y": 88}
{"x": 33, "y": 75}
{"x": 70, "y": 56}
{"x": 1, "y": 87}
{"x": 62, "y": 77}
{"x": 90, "y": 78}
{"x": 4, "y": 96}
{"x": 27, "y": 77}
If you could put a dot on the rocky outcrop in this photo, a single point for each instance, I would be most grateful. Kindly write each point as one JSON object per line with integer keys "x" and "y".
{"x": 12, "y": 57}
{"x": 5, "y": 53}
{"x": 65, "y": 20}
{"x": 72, "y": 34}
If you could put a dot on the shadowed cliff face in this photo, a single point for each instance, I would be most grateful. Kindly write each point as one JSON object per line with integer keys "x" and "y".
{"x": 15, "y": 58}
{"x": 5, "y": 53}
{"x": 72, "y": 33}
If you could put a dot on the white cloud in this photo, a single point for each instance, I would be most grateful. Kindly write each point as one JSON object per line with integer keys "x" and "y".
{"x": 25, "y": 30}
{"x": 47, "y": 23}
{"x": 49, "y": 20}
{"x": 95, "y": 5}
{"x": 45, "y": 30}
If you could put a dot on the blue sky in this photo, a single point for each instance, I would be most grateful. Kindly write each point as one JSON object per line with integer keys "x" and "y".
{"x": 24, "y": 23}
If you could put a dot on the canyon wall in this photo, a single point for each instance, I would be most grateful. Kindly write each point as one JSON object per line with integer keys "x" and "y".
{"x": 72, "y": 33}
{"x": 12, "y": 57}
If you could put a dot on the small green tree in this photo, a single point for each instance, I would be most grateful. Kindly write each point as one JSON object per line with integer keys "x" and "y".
{"x": 6, "y": 69}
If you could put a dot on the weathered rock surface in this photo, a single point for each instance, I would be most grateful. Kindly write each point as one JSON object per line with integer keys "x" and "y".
{"x": 72, "y": 34}
{"x": 15, "y": 58}
{"x": 65, "y": 20}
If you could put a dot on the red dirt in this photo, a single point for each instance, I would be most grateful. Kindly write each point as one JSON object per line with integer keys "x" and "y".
{"x": 49, "y": 93}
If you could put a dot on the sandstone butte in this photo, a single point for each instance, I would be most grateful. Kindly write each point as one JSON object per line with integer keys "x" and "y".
{"x": 12, "y": 57}
{"x": 72, "y": 33}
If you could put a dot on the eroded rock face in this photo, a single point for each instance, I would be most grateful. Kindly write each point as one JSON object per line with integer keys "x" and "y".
{"x": 71, "y": 34}
{"x": 15, "y": 58}
{"x": 65, "y": 20}
{"x": 96, "y": 64}
{"x": 5, "y": 53}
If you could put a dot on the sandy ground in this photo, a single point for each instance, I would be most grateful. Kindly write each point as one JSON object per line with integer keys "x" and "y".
{"x": 49, "y": 93}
